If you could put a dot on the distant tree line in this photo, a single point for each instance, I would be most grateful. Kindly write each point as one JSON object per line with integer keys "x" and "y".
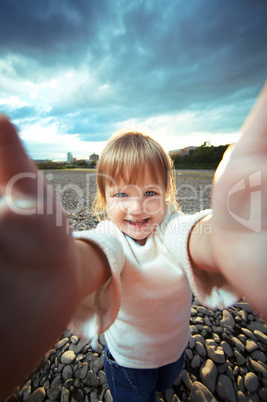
{"x": 204, "y": 157}
{"x": 63, "y": 165}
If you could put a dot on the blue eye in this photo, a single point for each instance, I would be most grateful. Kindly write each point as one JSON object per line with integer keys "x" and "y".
{"x": 121, "y": 195}
{"x": 150, "y": 193}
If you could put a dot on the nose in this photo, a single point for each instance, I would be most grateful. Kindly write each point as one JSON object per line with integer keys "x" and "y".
{"x": 135, "y": 205}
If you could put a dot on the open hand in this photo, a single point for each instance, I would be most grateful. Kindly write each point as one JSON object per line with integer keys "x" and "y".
{"x": 239, "y": 202}
{"x": 39, "y": 283}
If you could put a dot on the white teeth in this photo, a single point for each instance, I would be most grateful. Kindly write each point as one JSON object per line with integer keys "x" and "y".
{"x": 137, "y": 221}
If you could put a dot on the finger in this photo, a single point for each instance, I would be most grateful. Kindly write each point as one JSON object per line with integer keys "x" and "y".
{"x": 16, "y": 169}
{"x": 254, "y": 129}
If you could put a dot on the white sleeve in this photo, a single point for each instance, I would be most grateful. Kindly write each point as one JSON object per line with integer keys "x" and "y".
{"x": 211, "y": 288}
{"x": 99, "y": 309}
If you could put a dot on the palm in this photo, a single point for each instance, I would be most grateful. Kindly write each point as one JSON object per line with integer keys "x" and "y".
{"x": 240, "y": 210}
{"x": 37, "y": 261}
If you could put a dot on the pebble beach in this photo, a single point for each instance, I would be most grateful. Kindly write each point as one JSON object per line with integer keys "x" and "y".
{"x": 226, "y": 356}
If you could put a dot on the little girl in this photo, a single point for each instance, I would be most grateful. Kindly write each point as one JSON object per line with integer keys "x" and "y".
{"x": 138, "y": 268}
{"x": 144, "y": 309}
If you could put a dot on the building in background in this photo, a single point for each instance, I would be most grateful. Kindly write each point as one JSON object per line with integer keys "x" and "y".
{"x": 93, "y": 159}
{"x": 69, "y": 157}
{"x": 175, "y": 152}
{"x": 184, "y": 151}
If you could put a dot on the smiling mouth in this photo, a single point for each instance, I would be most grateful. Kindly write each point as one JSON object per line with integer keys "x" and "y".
{"x": 138, "y": 222}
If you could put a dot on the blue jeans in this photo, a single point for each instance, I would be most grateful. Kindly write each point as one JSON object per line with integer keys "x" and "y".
{"x": 139, "y": 385}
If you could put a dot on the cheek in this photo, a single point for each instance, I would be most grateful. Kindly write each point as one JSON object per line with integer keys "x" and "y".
{"x": 155, "y": 205}
{"x": 115, "y": 207}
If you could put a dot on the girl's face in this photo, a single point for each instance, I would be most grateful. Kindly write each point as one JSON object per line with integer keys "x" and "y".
{"x": 137, "y": 209}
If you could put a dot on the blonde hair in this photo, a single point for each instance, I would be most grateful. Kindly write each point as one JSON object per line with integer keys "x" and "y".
{"x": 125, "y": 154}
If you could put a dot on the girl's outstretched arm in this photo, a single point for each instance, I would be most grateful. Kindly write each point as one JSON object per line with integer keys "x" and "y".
{"x": 234, "y": 239}
{"x": 44, "y": 272}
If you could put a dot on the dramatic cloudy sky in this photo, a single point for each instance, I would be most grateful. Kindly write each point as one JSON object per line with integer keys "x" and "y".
{"x": 74, "y": 71}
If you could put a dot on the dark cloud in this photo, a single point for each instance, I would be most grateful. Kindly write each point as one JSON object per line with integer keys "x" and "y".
{"x": 139, "y": 58}
{"x": 49, "y": 28}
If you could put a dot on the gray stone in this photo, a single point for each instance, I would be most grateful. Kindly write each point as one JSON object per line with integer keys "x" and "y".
{"x": 56, "y": 380}
{"x": 227, "y": 349}
{"x": 230, "y": 373}
{"x": 251, "y": 382}
{"x": 193, "y": 329}
{"x": 225, "y": 389}
{"x": 205, "y": 311}
{"x": 243, "y": 305}
{"x": 46, "y": 383}
{"x": 92, "y": 357}
{"x": 54, "y": 392}
{"x": 205, "y": 331}
{"x": 67, "y": 372}
{"x": 236, "y": 370}
{"x": 68, "y": 357}
{"x": 227, "y": 319}
{"x": 207, "y": 321}
{"x": 217, "y": 329}
{"x": 61, "y": 343}
{"x": 215, "y": 352}
{"x": 102, "y": 340}
{"x": 74, "y": 339}
{"x": 200, "y": 349}
{"x": 259, "y": 367}
{"x": 241, "y": 397}
{"x": 200, "y": 393}
{"x": 191, "y": 342}
{"x": 79, "y": 347}
{"x": 242, "y": 338}
{"x": 169, "y": 394}
{"x": 77, "y": 383}
{"x": 196, "y": 362}
{"x": 216, "y": 338}
{"x": 189, "y": 354}
{"x": 107, "y": 396}
{"x": 263, "y": 394}
{"x": 193, "y": 311}
{"x": 253, "y": 397}
{"x": 65, "y": 395}
{"x": 26, "y": 390}
{"x": 186, "y": 379}
{"x": 243, "y": 315}
{"x": 82, "y": 370}
{"x": 78, "y": 394}
{"x": 228, "y": 329}
{"x": 261, "y": 336}
{"x": 69, "y": 383}
{"x": 197, "y": 320}
{"x": 37, "y": 396}
{"x": 199, "y": 338}
{"x": 240, "y": 359}
{"x": 102, "y": 377}
{"x": 240, "y": 383}
{"x": 248, "y": 333}
{"x": 260, "y": 326}
{"x": 222, "y": 367}
{"x": 238, "y": 344}
{"x": 199, "y": 327}
{"x": 259, "y": 355}
{"x": 251, "y": 345}
{"x": 92, "y": 379}
{"x": 208, "y": 374}
{"x": 98, "y": 364}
